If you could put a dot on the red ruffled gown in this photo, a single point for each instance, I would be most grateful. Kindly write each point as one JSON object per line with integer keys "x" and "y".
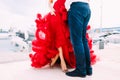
{"x": 51, "y": 33}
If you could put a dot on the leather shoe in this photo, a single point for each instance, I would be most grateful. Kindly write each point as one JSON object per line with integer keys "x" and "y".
{"x": 75, "y": 74}
{"x": 89, "y": 73}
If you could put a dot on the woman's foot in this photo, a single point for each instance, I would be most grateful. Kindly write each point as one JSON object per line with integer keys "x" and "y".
{"x": 63, "y": 66}
{"x": 53, "y": 60}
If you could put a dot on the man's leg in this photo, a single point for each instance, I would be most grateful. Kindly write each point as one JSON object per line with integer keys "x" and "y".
{"x": 86, "y": 47}
{"x": 75, "y": 22}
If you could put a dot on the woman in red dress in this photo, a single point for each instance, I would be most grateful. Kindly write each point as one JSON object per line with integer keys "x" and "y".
{"x": 52, "y": 39}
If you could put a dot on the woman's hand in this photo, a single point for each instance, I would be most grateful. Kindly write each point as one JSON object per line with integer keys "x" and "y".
{"x": 52, "y": 10}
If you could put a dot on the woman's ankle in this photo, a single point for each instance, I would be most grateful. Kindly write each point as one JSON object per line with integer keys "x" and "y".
{"x": 53, "y": 60}
{"x": 64, "y": 66}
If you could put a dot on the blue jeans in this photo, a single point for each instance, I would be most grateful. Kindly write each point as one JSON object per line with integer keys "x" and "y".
{"x": 78, "y": 18}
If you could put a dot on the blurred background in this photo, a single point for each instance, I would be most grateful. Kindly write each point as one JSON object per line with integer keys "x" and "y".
{"x": 17, "y": 25}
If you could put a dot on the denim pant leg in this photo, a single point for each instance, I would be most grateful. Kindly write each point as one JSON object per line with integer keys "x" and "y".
{"x": 86, "y": 47}
{"x": 77, "y": 22}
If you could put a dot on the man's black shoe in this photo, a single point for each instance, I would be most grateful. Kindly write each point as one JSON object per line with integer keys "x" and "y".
{"x": 75, "y": 74}
{"x": 89, "y": 73}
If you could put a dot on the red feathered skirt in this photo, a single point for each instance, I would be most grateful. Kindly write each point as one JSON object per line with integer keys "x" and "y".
{"x": 52, "y": 32}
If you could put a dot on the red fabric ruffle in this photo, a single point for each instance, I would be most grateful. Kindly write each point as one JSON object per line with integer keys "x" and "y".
{"x": 51, "y": 33}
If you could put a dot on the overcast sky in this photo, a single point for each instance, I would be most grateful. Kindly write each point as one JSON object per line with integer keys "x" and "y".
{"x": 110, "y": 13}
{"x": 22, "y": 13}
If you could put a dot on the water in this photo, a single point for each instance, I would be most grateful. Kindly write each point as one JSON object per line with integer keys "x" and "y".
{"x": 5, "y": 45}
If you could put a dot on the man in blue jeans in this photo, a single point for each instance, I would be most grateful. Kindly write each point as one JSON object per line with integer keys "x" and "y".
{"x": 78, "y": 18}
